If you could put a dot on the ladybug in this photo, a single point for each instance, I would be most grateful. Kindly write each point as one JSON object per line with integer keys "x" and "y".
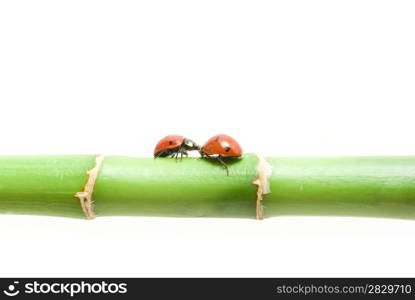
{"x": 174, "y": 145}
{"x": 221, "y": 145}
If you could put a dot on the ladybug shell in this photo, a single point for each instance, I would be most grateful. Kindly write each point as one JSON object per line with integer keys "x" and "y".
{"x": 168, "y": 142}
{"x": 222, "y": 144}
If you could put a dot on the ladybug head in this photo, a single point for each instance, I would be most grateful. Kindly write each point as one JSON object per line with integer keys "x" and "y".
{"x": 190, "y": 145}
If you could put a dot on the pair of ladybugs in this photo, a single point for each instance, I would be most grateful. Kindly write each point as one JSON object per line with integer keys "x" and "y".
{"x": 218, "y": 146}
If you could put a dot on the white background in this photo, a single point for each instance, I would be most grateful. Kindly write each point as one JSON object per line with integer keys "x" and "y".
{"x": 283, "y": 77}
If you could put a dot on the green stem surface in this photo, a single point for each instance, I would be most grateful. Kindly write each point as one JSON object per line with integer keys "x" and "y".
{"x": 342, "y": 186}
{"x": 347, "y": 186}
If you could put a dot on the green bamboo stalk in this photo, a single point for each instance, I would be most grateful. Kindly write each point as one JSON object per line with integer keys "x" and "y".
{"x": 127, "y": 186}
{"x": 343, "y": 186}
{"x": 43, "y": 185}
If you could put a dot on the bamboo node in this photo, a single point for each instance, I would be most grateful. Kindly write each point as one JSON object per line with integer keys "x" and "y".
{"x": 85, "y": 196}
{"x": 262, "y": 182}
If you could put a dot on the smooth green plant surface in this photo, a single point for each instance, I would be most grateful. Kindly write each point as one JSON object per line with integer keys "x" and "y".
{"x": 342, "y": 186}
{"x": 43, "y": 185}
{"x": 192, "y": 187}
{"x": 339, "y": 186}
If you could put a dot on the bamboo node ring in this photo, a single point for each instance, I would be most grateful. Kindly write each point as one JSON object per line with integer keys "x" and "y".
{"x": 262, "y": 182}
{"x": 85, "y": 196}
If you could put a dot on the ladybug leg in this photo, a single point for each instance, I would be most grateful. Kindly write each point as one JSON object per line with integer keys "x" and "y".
{"x": 169, "y": 153}
{"x": 203, "y": 155}
{"x": 219, "y": 158}
{"x": 164, "y": 153}
{"x": 183, "y": 152}
{"x": 179, "y": 151}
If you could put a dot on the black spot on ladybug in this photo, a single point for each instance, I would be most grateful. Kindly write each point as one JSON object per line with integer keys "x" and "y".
{"x": 170, "y": 142}
{"x": 227, "y": 149}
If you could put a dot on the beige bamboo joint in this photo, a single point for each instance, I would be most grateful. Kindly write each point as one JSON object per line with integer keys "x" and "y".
{"x": 261, "y": 181}
{"x": 85, "y": 196}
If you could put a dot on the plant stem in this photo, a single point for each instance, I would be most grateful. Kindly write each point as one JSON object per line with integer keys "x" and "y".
{"x": 43, "y": 185}
{"x": 166, "y": 187}
{"x": 362, "y": 186}
{"x": 343, "y": 186}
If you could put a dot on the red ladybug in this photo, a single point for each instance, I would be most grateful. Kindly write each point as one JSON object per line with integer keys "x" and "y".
{"x": 173, "y": 145}
{"x": 221, "y": 145}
